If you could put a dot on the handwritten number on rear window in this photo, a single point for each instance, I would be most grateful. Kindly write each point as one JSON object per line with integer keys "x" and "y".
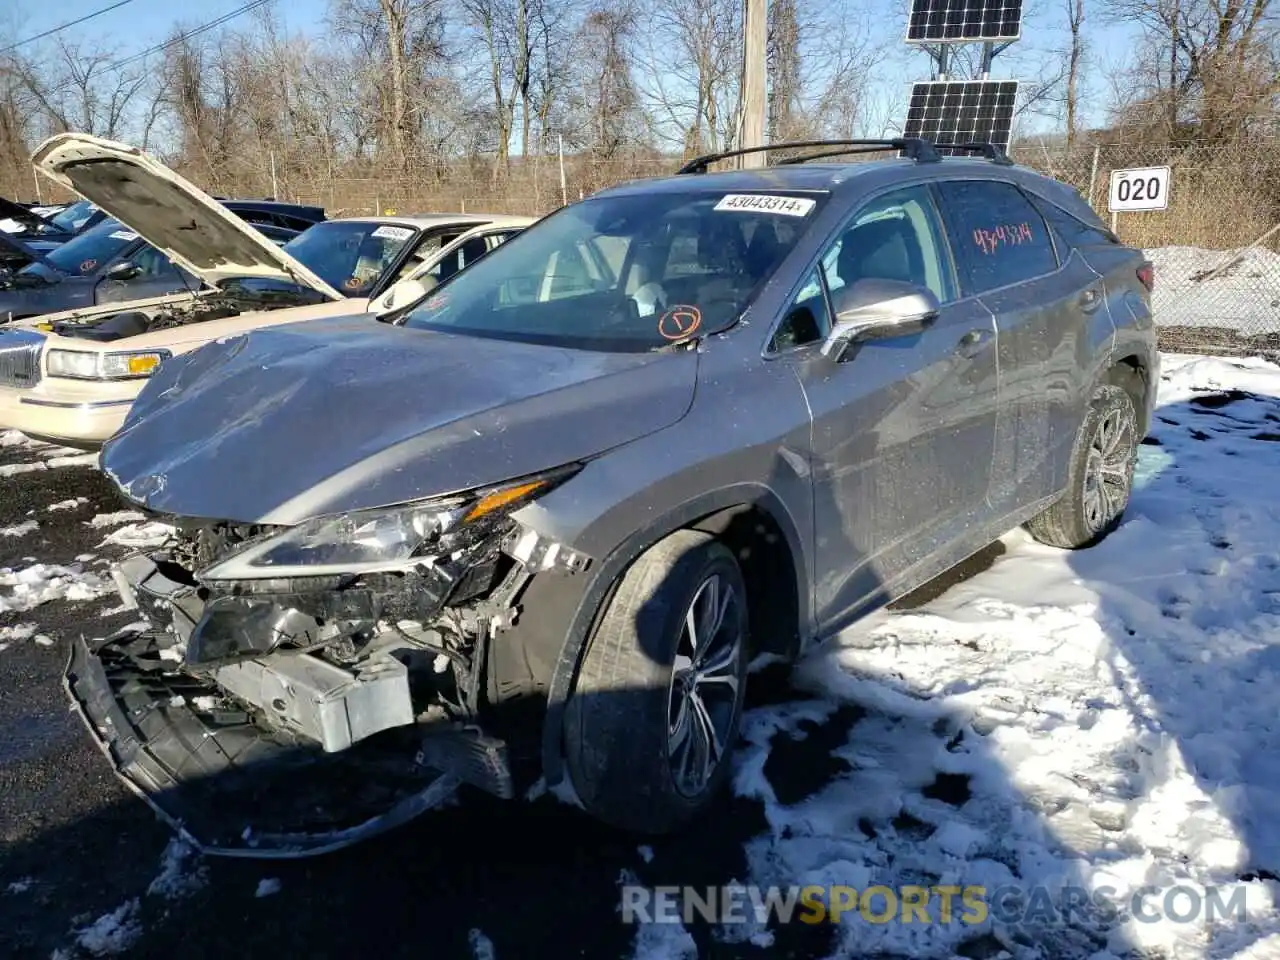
{"x": 991, "y": 239}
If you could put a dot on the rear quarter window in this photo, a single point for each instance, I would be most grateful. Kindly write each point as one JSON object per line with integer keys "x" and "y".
{"x": 998, "y": 236}
{"x": 1072, "y": 230}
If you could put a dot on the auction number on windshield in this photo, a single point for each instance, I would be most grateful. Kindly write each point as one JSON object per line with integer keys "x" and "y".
{"x": 1141, "y": 188}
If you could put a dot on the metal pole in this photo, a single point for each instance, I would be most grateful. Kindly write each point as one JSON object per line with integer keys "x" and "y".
{"x": 1093, "y": 173}
{"x": 755, "y": 23}
{"x": 564, "y": 189}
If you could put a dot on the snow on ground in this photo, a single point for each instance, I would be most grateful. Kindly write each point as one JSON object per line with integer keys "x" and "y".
{"x": 136, "y": 536}
{"x": 1102, "y": 718}
{"x": 20, "y": 530}
{"x": 61, "y": 460}
{"x": 182, "y": 874}
{"x": 1217, "y": 288}
{"x": 481, "y": 945}
{"x": 29, "y": 587}
{"x": 68, "y": 504}
{"x": 116, "y": 519}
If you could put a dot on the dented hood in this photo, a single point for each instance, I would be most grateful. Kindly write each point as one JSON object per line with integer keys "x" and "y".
{"x": 327, "y": 416}
{"x": 196, "y": 231}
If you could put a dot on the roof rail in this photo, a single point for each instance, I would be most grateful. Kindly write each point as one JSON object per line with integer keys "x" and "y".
{"x": 992, "y": 151}
{"x": 916, "y": 148}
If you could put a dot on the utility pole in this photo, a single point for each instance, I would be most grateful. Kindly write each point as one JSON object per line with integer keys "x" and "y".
{"x": 755, "y": 24}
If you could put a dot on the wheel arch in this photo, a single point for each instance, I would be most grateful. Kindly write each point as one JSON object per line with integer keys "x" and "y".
{"x": 1131, "y": 372}
{"x": 733, "y": 514}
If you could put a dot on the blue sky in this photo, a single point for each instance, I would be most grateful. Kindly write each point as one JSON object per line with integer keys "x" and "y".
{"x": 142, "y": 23}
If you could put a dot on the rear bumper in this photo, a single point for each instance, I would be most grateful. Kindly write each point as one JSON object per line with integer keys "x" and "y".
{"x": 234, "y": 787}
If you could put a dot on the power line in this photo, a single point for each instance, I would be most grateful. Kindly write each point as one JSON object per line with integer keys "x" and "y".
{"x": 71, "y": 23}
{"x": 203, "y": 28}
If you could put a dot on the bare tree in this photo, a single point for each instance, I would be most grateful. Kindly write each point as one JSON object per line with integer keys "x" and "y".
{"x": 1075, "y": 57}
{"x": 690, "y": 63}
{"x": 1214, "y": 63}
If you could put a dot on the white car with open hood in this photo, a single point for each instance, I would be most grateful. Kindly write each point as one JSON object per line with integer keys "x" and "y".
{"x": 71, "y": 377}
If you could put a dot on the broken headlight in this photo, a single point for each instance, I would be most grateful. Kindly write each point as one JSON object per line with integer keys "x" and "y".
{"x": 372, "y": 541}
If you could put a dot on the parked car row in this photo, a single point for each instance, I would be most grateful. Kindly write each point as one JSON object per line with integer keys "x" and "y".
{"x": 514, "y": 504}
{"x": 97, "y": 315}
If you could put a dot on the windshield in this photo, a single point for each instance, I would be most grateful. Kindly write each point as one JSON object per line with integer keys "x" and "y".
{"x": 73, "y": 217}
{"x": 625, "y": 273}
{"x": 350, "y": 256}
{"x": 87, "y": 253}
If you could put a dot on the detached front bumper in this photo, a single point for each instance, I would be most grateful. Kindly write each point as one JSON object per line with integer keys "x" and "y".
{"x": 234, "y": 786}
{"x": 230, "y": 786}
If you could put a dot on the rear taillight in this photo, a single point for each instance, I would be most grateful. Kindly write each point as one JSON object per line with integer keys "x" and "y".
{"x": 1147, "y": 274}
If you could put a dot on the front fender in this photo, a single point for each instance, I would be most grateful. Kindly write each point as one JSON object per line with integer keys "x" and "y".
{"x": 602, "y": 578}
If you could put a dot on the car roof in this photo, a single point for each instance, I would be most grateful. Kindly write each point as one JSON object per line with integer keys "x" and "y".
{"x": 429, "y": 220}
{"x": 824, "y": 176}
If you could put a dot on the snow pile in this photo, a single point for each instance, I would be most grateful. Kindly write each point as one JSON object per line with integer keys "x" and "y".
{"x": 481, "y": 945}
{"x": 1099, "y": 720}
{"x": 21, "y": 530}
{"x": 181, "y": 873}
{"x": 68, "y": 504}
{"x": 115, "y": 519}
{"x": 1217, "y": 288}
{"x": 75, "y": 460}
{"x": 138, "y": 536}
{"x": 39, "y": 583}
{"x": 112, "y": 933}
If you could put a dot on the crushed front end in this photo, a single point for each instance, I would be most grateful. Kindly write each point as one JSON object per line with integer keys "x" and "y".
{"x": 271, "y": 704}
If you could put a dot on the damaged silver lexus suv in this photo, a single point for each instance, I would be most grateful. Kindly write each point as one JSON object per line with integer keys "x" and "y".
{"x": 531, "y": 530}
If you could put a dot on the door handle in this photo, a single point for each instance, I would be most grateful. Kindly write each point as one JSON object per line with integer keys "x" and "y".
{"x": 1090, "y": 300}
{"x": 973, "y": 342}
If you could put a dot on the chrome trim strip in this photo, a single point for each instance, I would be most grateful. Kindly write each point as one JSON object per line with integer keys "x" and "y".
{"x": 74, "y": 406}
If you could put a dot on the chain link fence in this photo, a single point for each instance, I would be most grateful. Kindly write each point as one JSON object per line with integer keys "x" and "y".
{"x": 1216, "y": 247}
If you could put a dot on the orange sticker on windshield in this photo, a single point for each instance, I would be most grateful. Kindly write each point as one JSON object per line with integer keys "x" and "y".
{"x": 353, "y": 283}
{"x": 88, "y": 265}
{"x": 679, "y": 322}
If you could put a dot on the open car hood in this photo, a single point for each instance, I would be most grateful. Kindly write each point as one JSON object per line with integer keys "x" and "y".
{"x": 22, "y": 215}
{"x": 194, "y": 230}
{"x": 16, "y": 254}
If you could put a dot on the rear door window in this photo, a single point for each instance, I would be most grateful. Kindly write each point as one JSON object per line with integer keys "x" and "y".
{"x": 998, "y": 236}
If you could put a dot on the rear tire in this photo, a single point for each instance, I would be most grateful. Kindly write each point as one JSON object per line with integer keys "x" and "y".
{"x": 656, "y": 709}
{"x": 1100, "y": 479}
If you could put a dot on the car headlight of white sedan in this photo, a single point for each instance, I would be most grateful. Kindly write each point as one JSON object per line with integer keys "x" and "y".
{"x": 93, "y": 365}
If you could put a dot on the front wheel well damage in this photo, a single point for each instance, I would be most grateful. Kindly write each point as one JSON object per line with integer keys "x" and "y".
{"x": 760, "y": 546}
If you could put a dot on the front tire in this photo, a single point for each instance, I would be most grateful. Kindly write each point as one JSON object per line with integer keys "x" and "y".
{"x": 658, "y": 701}
{"x": 1100, "y": 479}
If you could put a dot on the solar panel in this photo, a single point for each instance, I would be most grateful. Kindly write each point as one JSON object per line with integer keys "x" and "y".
{"x": 962, "y": 111}
{"x": 961, "y": 21}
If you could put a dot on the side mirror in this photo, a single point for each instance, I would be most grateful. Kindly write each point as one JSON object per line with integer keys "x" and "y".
{"x": 403, "y": 293}
{"x": 124, "y": 270}
{"x": 876, "y": 310}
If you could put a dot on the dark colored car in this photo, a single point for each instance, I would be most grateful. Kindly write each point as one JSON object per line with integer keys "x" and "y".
{"x": 107, "y": 263}
{"x": 539, "y": 523}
